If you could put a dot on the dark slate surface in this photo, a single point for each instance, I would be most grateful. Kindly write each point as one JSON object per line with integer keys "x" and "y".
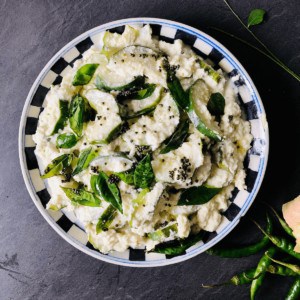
{"x": 35, "y": 263}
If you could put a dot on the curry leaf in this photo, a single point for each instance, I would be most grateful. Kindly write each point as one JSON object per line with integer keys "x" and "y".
{"x": 76, "y": 113}
{"x": 81, "y": 196}
{"x": 137, "y": 82}
{"x": 64, "y": 113}
{"x": 216, "y": 105}
{"x": 106, "y": 190}
{"x": 143, "y": 175}
{"x": 126, "y": 176}
{"x": 197, "y": 195}
{"x": 178, "y": 247}
{"x": 106, "y": 219}
{"x": 137, "y": 94}
{"x": 84, "y": 74}
{"x": 178, "y": 93}
{"x": 177, "y": 138}
{"x": 85, "y": 157}
{"x": 58, "y": 166}
{"x": 256, "y": 17}
{"x": 66, "y": 140}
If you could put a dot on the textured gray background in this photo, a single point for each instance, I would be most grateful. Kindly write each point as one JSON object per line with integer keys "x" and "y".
{"x": 35, "y": 263}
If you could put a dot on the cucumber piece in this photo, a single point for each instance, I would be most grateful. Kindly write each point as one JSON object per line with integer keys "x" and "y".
{"x": 113, "y": 42}
{"x": 210, "y": 71}
{"x": 113, "y": 163}
{"x": 64, "y": 114}
{"x": 106, "y": 219}
{"x": 136, "y": 108}
{"x": 163, "y": 233}
{"x": 107, "y": 123}
{"x": 199, "y": 95}
{"x": 137, "y": 82}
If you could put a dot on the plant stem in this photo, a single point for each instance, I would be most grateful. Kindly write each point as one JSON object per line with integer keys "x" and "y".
{"x": 276, "y": 61}
{"x": 270, "y": 55}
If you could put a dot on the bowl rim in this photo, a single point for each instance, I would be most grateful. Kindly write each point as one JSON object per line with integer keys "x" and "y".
{"x": 31, "y": 189}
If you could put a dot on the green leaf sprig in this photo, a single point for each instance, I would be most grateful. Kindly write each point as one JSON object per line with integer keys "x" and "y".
{"x": 266, "y": 52}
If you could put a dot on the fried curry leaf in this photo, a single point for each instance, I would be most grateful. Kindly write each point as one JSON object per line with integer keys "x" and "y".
{"x": 81, "y": 196}
{"x": 66, "y": 140}
{"x": 177, "y": 138}
{"x": 64, "y": 114}
{"x": 106, "y": 219}
{"x": 106, "y": 190}
{"x": 85, "y": 157}
{"x": 143, "y": 174}
{"x": 58, "y": 166}
{"x": 216, "y": 105}
{"x": 197, "y": 195}
{"x": 84, "y": 74}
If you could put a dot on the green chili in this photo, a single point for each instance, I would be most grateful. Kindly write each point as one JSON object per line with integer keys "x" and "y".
{"x": 294, "y": 292}
{"x": 261, "y": 269}
{"x": 281, "y": 243}
{"x": 244, "y": 251}
{"x": 281, "y": 270}
{"x": 283, "y": 224}
{"x": 238, "y": 279}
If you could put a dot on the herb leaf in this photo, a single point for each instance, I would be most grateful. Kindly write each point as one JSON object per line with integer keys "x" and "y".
{"x": 178, "y": 93}
{"x": 126, "y": 176}
{"x": 106, "y": 219}
{"x": 137, "y": 94}
{"x": 197, "y": 195}
{"x": 137, "y": 82}
{"x": 84, "y": 74}
{"x": 216, "y": 105}
{"x": 76, "y": 113}
{"x": 64, "y": 114}
{"x": 82, "y": 197}
{"x": 178, "y": 247}
{"x": 66, "y": 140}
{"x": 177, "y": 138}
{"x": 107, "y": 191}
{"x": 58, "y": 166}
{"x": 143, "y": 174}
{"x": 256, "y": 17}
{"x": 85, "y": 157}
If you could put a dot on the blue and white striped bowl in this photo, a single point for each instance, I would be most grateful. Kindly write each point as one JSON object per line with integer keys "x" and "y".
{"x": 205, "y": 46}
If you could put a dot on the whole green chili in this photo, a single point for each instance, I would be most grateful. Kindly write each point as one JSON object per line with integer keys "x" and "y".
{"x": 244, "y": 251}
{"x": 294, "y": 292}
{"x": 281, "y": 243}
{"x": 261, "y": 269}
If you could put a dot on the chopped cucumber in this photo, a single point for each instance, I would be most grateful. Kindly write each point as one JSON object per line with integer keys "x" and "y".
{"x": 113, "y": 163}
{"x": 210, "y": 71}
{"x": 163, "y": 233}
{"x": 108, "y": 122}
{"x": 136, "y": 108}
{"x": 199, "y": 115}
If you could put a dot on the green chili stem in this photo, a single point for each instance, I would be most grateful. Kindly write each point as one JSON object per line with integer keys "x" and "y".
{"x": 281, "y": 65}
{"x": 293, "y": 267}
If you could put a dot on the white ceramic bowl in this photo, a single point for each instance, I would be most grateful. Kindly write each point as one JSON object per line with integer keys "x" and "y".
{"x": 205, "y": 46}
